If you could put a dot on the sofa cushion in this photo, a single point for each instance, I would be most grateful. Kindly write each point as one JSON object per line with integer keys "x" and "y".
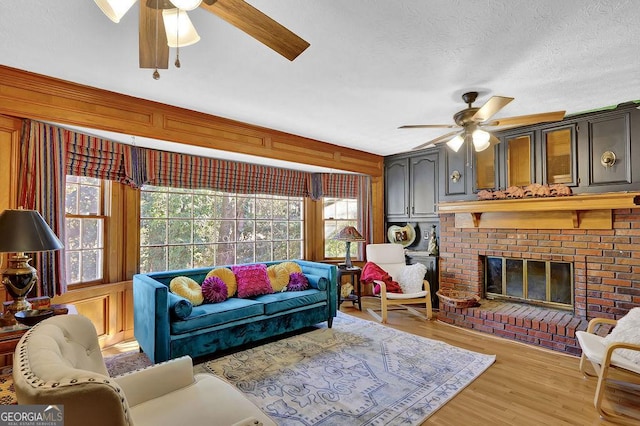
{"x": 252, "y": 280}
{"x": 297, "y": 282}
{"x": 214, "y": 290}
{"x": 179, "y": 307}
{"x": 211, "y": 315}
{"x": 291, "y": 267}
{"x": 187, "y": 288}
{"x": 284, "y": 301}
{"x": 229, "y": 278}
{"x": 278, "y": 276}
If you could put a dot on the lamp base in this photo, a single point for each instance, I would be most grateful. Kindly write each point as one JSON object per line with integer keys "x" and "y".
{"x": 19, "y": 279}
{"x": 19, "y": 304}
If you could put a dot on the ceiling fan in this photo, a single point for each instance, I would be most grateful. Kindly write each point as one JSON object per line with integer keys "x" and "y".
{"x": 472, "y": 120}
{"x": 165, "y": 23}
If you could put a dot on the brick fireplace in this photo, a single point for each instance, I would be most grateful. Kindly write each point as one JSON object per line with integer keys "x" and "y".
{"x": 606, "y": 268}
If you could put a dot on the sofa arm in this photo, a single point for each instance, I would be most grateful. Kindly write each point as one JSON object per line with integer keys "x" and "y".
{"x": 151, "y": 322}
{"x": 153, "y": 382}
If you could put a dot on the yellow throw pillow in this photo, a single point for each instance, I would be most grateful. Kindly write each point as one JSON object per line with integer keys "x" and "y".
{"x": 278, "y": 276}
{"x": 291, "y": 267}
{"x": 187, "y": 288}
{"x": 226, "y": 275}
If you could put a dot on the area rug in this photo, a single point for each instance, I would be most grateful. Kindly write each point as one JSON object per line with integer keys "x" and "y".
{"x": 357, "y": 373}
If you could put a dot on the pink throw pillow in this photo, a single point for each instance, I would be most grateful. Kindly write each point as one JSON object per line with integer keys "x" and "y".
{"x": 297, "y": 282}
{"x": 252, "y": 280}
{"x": 214, "y": 290}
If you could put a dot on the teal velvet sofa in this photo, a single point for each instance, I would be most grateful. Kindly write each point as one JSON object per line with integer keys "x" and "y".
{"x": 212, "y": 327}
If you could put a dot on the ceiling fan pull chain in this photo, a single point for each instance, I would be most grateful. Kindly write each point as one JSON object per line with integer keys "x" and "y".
{"x": 156, "y": 74}
{"x": 177, "y": 62}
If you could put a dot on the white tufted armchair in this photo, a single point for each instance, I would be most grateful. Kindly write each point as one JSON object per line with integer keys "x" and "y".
{"x": 59, "y": 362}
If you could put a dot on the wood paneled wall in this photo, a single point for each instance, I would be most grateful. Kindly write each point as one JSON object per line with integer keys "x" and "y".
{"x": 34, "y": 96}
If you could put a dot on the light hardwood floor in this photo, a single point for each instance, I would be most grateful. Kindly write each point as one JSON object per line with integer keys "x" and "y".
{"x": 526, "y": 385}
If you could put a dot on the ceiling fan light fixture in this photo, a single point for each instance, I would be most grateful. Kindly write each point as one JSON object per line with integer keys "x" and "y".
{"x": 179, "y": 28}
{"x": 115, "y": 9}
{"x": 455, "y": 143}
{"x": 186, "y": 4}
{"x": 480, "y": 139}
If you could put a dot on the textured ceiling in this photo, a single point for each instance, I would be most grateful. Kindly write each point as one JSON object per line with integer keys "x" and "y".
{"x": 372, "y": 66}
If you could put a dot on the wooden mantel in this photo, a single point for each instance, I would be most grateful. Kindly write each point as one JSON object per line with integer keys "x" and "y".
{"x": 584, "y": 211}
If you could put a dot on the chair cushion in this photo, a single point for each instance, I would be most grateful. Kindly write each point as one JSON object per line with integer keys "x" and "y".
{"x": 407, "y": 296}
{"x": 627, "y": 330}
{"x": 594, "y": 347}
{"x": 411, "y": 278}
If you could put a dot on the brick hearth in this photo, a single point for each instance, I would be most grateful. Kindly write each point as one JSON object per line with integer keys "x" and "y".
{"x": 606, "y": 277}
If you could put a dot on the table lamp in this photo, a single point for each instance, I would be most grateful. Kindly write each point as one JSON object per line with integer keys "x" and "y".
{"x": 348, "y": 234}
{"x": 23, "y": 231}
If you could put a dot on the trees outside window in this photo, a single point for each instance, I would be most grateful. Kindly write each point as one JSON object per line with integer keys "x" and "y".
{"x": 190, "y": 228}
{"x": 336, "y": 214}
{"x": 85, "y": 230}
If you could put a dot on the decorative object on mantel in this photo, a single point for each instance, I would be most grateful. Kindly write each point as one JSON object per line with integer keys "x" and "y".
{"x": 457, "y": 298}
{"x": 404, "y": 235}
{"x": 23, "y": 231}
{"x": 433, "y": 242}
{"x": 348, "y": 234}
{"x": 533, "y": 190}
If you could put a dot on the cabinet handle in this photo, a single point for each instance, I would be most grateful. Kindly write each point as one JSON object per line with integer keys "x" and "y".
{"x": 407, "y": 209}
{"x": 413, "y": 209}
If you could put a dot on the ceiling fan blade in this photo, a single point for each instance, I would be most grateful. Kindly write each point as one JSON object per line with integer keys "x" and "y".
{"x": 490, "y": 108}
{"x": 258, "y": 25}
{"x": 437, "y": 140}
{"x": 523, "y": 120}
{"x": 429, "y": 126}
{"x": 153, "y": 48}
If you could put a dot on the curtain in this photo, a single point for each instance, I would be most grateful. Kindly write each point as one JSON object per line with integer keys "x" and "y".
{"x": 365, "y": 221}
{"x": 41, "y": 187}
{"x": 188, "y": 171}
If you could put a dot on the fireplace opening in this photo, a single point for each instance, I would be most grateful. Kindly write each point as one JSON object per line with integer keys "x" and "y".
{"x": 537, "y": 282}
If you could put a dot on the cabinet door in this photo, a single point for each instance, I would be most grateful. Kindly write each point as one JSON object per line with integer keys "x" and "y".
{"x": 520, "y": 166}
{"x": 608, "y": 138}
{"x": 559, "y": 164}
{"x": 484, "y": 169}
{"x": 396, "y": 185}
{"x": 455, "y": 169}
{"x": 423, "y": 188}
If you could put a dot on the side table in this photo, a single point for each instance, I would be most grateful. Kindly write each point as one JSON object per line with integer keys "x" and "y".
{"x": 354, "y": 273}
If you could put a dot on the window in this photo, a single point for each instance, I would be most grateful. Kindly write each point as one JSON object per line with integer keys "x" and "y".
{"x": 85, "y": 227}
{"x": 336, "y": 214}
{"x": 187, "y": 228}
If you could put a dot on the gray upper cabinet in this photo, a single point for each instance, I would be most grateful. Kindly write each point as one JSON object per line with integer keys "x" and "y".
{"x": 423, "y": 188}
{"x": 396, "y": 188}
{"x": 411, "y": 187}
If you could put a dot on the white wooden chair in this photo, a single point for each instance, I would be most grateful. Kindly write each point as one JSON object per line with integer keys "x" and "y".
{"x": 390, "y": 257}
{"x": 606, "y": 362}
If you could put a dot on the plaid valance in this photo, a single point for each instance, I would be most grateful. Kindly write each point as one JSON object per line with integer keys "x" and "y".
{"x": 187, "y": 171}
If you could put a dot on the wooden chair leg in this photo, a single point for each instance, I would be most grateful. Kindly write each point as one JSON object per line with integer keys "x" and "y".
{"x": 429, "y": 308}
{"x": 383, "y": 303}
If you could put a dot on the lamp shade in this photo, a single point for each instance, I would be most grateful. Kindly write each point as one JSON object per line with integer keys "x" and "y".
{"x": 455, "y": 143}
{"x": 180, "y": 31}
{"x": 348, "y": 233}
{"x": 115, "y": 9}
{"x": 481, "y": 140}
{"x": 186, "y": 4}
{"x": 25, "y": 231}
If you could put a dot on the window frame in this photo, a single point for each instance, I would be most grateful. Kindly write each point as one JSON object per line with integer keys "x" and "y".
{"x": 192, "y": 217}
{"x": 105, "y": 202}
{"x": 358, "y": 255}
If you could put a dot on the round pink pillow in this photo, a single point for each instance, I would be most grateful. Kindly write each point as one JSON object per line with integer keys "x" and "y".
{"x": 214, "y": 290}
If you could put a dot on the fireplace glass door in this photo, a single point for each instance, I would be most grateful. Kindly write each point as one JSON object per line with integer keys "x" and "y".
{"x": 532, "y": 281}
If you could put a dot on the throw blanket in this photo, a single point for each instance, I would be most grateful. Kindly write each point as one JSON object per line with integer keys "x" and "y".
{"x": 372, "y": 272}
